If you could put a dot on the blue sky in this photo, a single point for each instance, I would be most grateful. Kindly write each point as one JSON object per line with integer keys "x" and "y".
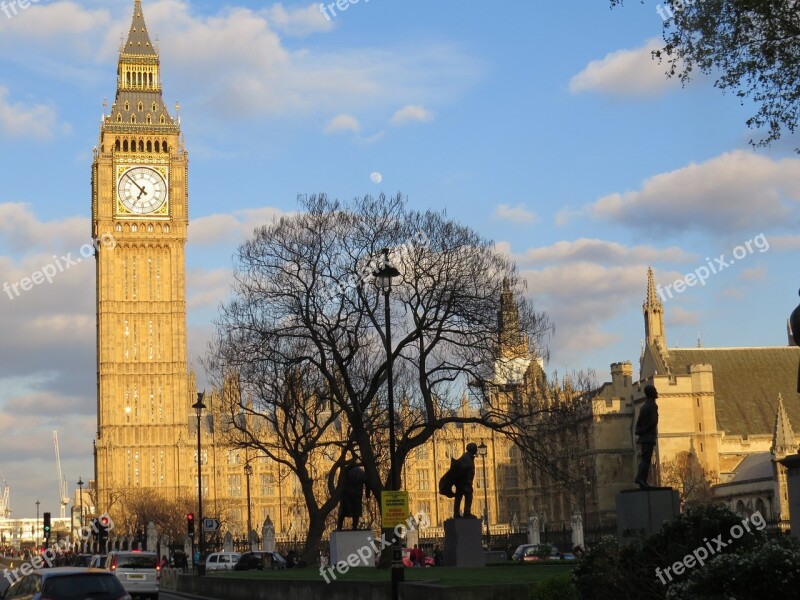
{"x": 544, "y": 126}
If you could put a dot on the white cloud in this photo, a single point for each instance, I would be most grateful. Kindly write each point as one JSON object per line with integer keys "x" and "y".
{"x": 601, "y": 252}
{"x": 735, "y": 192}
{"x": 234, "y": 64}
{"x": 21, "y": 230}
{"x": 341, "y": 123}
{"x": 412, "y": 114}
{"x": 298, "y": 22}
{"x": 753, "y": 274}
{"x": 516, "y": 214}
{"x": 625, "y": 72}
{"x": 230, "y": 228}
{"x": 20, "y": 120}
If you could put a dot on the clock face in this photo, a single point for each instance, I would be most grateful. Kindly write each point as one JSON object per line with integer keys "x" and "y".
{"x": 142, "y": 190}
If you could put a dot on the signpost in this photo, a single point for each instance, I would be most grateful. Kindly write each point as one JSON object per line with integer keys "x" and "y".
{"x": 211, "y": 525}
{"x": 394, "y": 509}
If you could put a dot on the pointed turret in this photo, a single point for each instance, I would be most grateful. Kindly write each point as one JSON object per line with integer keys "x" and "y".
{"x": 138, "y": 38}
{"x": 783, "y": 442}
{"x": 512, "y": 341}
{"x": 653, "y": 310}
{"x": 138, "y": 103}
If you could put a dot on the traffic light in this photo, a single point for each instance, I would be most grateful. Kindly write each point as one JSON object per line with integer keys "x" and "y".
{"x": 190, "y": 524}
{"x": 46, "y": 517}
{"x": 102, "y": 531}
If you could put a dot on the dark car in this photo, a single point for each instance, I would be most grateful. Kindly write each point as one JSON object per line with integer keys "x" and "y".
{"x": 258, "y": 560}
{"x": 533, "y": 552}
{"x": 67, "y": 583}
{"x": 81, "y": 560}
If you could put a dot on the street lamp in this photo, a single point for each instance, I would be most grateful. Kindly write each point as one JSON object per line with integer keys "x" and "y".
{"x": 198, "y": 408}
{"x": 36, "y": 535}
{"x": 383, "y": 278}
{"x": 482, "y": 452}
{"x": 80, "y": 502}
{"x": 248, "y": 470}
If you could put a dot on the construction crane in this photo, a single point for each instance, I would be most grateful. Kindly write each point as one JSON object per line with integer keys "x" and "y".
{"x": 5, "y": 500}
{"x": 63, "y": 496}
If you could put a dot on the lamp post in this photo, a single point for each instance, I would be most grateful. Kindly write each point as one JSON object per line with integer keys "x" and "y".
{"x": 80, "y": 506}
{"x": 248, "y": 470}
{"x": 80, "y": 502}
{"x": 383, "y": 277}
{"x": 482, "y": 452}
{"x": 198, "y": 408}
{"x": 36, "y": 535}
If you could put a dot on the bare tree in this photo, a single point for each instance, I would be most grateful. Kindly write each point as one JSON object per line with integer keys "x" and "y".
{"x": 305, "y": 335}
{"x": 139, "y": 506}
{"x": 685, "y": 474}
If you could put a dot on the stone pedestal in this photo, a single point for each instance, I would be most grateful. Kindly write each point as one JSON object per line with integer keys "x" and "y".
{"x": 643, "y": 512}
{"x": 462, "y": 543}
{"x": 355, "y": 548}
{"x": 792, "y": 464}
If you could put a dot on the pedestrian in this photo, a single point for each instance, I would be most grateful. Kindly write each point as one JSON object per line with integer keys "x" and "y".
{"x": 437, "y": 557}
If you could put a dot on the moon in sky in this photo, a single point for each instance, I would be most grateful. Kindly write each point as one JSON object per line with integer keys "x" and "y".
{"x": 376, "y": 177}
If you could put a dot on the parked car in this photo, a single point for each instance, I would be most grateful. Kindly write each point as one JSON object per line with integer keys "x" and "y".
{"x": 429, "y": 562}
{"x": 67, "y": 583}
{"x": 534, "y": 552}
{"x": 221, "y": 561}
{"x": 259, "y": 560}
{"x": 139, "y": 572}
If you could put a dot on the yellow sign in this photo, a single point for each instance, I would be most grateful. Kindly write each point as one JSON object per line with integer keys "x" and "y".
{"x": 394, "y": 509}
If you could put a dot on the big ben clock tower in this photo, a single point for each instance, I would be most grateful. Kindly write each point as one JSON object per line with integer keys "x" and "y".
{"x": 140, "y": 201}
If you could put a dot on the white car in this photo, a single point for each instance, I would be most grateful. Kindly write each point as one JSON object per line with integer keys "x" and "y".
{"x": 138, "y": 572}
{"x": 221, "y": 561}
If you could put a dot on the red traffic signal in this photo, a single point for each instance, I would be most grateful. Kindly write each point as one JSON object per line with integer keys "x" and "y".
{"x": 190, "y": 517}
{"x": 104, "y": 521}
{"x": 190, "y": 524}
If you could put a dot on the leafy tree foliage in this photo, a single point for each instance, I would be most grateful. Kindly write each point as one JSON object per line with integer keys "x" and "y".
{"x": 752, "y": 46}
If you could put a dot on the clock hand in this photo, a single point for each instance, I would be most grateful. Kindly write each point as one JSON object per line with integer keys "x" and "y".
{"x": 141, "y": 189}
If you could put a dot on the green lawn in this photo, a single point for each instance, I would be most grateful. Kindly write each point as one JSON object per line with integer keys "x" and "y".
{"x": 441, "y": 575}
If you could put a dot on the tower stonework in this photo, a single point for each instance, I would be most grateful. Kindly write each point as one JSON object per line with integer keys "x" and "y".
{"x": 140, "y": 219}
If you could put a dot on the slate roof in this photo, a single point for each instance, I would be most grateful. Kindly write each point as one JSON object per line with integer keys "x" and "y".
{"x": 138, "y": 38}
{"x": 754, "y": 466}
{"x": 747, "y": 382}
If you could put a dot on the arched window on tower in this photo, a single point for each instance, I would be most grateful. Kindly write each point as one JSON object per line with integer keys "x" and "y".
{"x": 149, "y": 120}
{"x": 163, "y": 119}
{"x": 141, "y": 145}
{"x": 141, "y": 106}
{"x": 128, "y": 77}
{"x": 117, "y": 145}
{"x": 164, "y": 146}
{"x": 149, "y": 144}
{"x": 125, "y": 146}
{"x": 127, "y": 106}
{"x": 133, "y": 118}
